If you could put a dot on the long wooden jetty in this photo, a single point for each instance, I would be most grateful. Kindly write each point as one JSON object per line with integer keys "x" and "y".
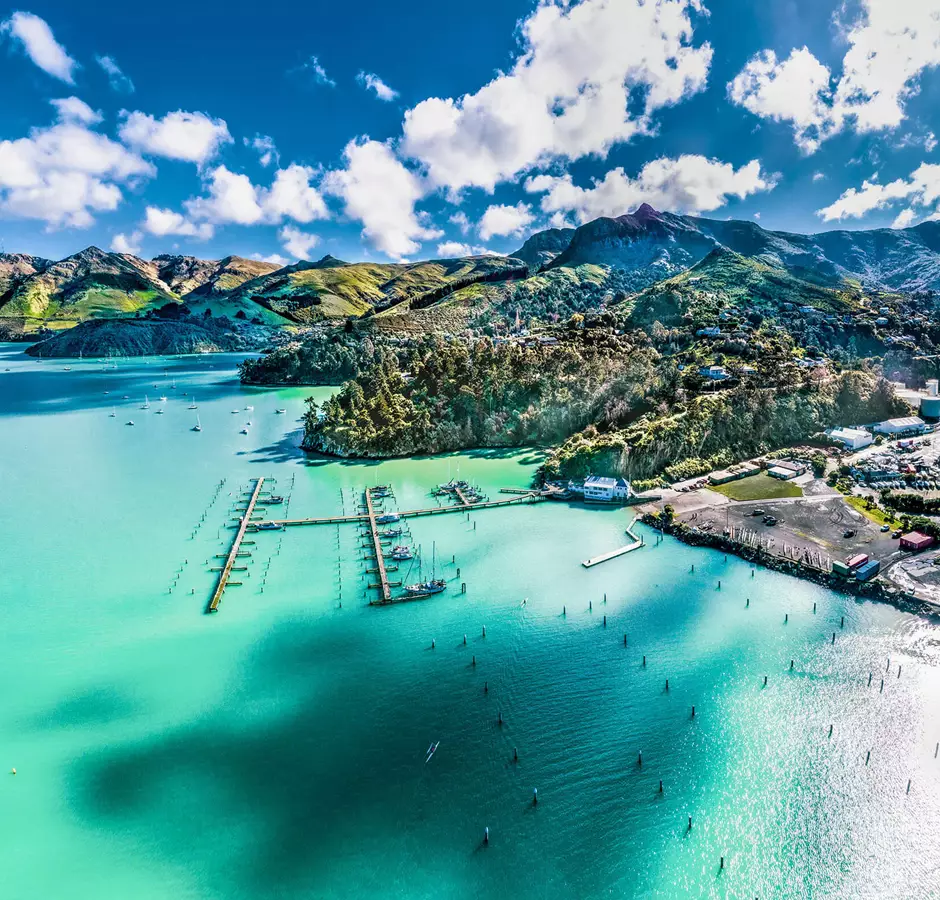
{"x": 532, "y": 497}
{"x": 233, "y": 552}
{"x": 613, "y": 554}
{"x": 377, "y": 544}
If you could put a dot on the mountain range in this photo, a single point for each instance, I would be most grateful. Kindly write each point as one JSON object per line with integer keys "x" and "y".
{"x": 635, "y": 251}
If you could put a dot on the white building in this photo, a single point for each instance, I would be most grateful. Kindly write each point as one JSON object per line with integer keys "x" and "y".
{"x": 906, "y": 425}
{"x": 599, "y": 489}
{"x": 715, "y": 373}
{"x": 853, "y": 438}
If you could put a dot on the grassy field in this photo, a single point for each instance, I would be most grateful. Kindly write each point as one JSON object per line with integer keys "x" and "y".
{"x": 758, "y": 487}
{"x": 877, "y": 516}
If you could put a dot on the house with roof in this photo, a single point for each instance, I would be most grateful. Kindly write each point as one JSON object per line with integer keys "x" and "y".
{"x": 598, "y": 489}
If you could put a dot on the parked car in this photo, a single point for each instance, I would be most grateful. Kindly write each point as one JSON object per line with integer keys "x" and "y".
{"x": 770, "y": 520}
{"x": 885, "y": 528}
{"x": 758, "y": 512}
{"x": 896, "y": 534}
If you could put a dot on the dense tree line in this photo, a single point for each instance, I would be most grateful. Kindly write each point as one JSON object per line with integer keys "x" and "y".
{"x": 445, "y": 395}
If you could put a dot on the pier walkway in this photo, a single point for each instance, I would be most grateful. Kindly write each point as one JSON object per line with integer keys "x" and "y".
{"x": 377, "y": 544}
{"x": 412, "y": 513}
{"x": 635, "y": 545}
{"x": 236, "y": 544}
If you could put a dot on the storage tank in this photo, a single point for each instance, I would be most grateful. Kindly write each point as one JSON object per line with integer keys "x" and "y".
{"x": 930, "y": 402}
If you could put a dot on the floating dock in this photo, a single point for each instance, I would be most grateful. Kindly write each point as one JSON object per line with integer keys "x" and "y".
{"x": 377, "y": 544}
{"x": 635, "y": 545}
{"x": 233, "y": 553}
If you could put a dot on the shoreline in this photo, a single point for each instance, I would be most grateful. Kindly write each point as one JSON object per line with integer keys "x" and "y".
{"x": 869, "y": 590}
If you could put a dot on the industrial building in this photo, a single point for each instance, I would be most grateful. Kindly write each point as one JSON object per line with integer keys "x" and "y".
{"x": 853, "y": 438}
{"x": 905, "y": 425}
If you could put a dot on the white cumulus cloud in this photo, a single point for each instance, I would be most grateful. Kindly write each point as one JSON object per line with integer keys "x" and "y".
{"x": 292, "y": 196}
{"x": 296, "y": 242}
{"x": 378, "y": 191}
{"x": 456, "y": 249}
{"x": 123, "y": 243}
{"x": 162, "y": 222}
{"x": 589, "y": 75}
{"x": 503, "y": 220}
{"x": 373, "y": 83}
{"x": 921, "y": 189}
{"x": 265, "y": 147}
{"x": 689, "y": 183}
{"x": 890, "y": 45}
{"x": 71, "y": 109}
{"x": 35, "y": 36}
{"x": 275, "y": 258}
{"x": 64, "y": 174}
{"x": 189, "y": 136}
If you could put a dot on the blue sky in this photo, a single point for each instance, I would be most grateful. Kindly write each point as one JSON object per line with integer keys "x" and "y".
{"x": 420, "y": 129}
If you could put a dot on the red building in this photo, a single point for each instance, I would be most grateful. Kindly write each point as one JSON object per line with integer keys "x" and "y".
{"x": 916, "y": 541}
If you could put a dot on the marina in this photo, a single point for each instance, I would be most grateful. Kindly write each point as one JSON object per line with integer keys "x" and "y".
{"x": 281, "y": 749}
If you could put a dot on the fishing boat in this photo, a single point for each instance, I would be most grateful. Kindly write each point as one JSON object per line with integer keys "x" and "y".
{"x": 431, "y": 751}
{"x": 198, "y": 425}
{"x": 280, "y": 412}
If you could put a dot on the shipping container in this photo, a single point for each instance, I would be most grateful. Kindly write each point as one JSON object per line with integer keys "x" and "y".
{"x": 840, "y": 568}
{"x": 868, "y": 571}
{"x": 853, "y": 562}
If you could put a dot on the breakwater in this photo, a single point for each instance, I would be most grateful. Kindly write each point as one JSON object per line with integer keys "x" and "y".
{"x": 871, "y": 590}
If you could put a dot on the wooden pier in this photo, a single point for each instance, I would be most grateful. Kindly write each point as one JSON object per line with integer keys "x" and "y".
{"x": 613, "y": 554}
{"x": 233, "y": 553}
{"x": 383, "y": 585}
{"x": 532, "y": 497}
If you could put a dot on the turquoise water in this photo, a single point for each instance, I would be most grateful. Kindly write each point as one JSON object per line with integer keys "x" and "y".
{"x": 277, "y": 749}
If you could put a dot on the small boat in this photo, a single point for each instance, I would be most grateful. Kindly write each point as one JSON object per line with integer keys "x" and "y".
{"x": 249, "y": 408}
{"x": 125, "y": 397}
{"x": 129, "y": 422}
{"x": 431, "y": 751}
{"x": 248, "y": 424}
{"x": 163, "y": 399}
{"x": 391, "y": 532}
{"x": 243, "y": 431}
{"x": 146, "y": 404}
{"x": 193, "y": 404}
{"x": 386, "y": 518}
{"x": 272, "y": 500}
{"x": 159, "y": 412}
{"x": 401, "y": 553}
{"x": 280, "y": 412}
{"x": 198, "y": 425}
{"x": 235, "y": 412}
{"x": 68, "y": 368}
{"x": 113, "y": 414}
{"x": 269, "y": 526}
{"x": 423, "y": 588}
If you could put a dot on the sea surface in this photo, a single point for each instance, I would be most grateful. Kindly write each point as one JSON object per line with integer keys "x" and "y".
{"x": 277, "y": 748}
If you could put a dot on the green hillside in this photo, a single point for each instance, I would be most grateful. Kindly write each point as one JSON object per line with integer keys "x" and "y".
{"x": 725, "y": 280}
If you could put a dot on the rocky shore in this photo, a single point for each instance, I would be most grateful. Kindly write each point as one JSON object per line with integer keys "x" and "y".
{"x": 871, "y": 590}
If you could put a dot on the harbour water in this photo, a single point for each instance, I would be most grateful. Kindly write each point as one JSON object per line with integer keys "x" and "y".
{"x": 277, "y": 748}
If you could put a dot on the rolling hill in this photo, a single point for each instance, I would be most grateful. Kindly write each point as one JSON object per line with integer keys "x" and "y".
{"x": 652, "y": 245}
